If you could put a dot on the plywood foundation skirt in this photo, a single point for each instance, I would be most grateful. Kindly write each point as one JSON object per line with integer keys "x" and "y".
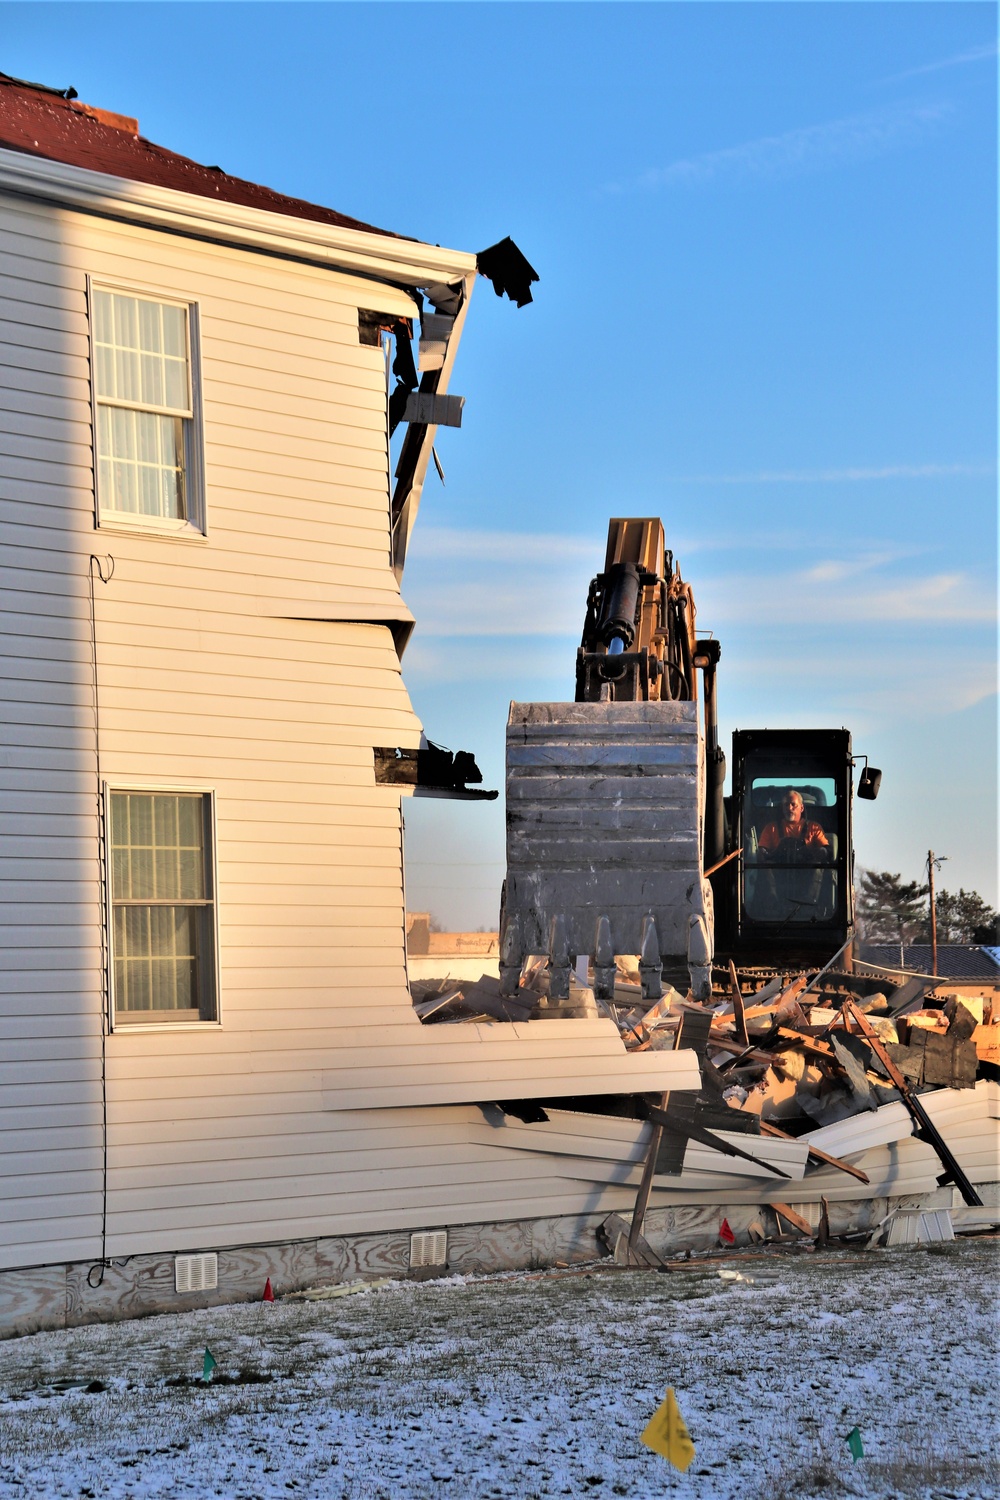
{"x": 65, "y": 1296}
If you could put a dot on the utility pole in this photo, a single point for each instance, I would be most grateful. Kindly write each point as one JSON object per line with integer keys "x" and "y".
{"x": 934, "y": 862}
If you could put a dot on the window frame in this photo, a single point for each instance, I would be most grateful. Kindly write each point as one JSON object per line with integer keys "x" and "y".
{"x": 116, "y": 1020}
{"x": 194, "y": 525}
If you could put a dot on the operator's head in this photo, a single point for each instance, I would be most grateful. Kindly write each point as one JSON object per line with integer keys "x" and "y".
{"x": 792, "y": 805}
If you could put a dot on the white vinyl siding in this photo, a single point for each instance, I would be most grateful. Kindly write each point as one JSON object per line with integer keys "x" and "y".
{"x": 163, "y": 917}
{"x": 260, "y": 665}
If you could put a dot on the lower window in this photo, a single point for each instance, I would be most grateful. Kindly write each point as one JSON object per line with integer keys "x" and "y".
{"x": 162, "y": 907}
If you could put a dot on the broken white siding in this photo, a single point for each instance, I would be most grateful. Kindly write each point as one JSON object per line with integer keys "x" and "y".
{"x": 257, "y": 662}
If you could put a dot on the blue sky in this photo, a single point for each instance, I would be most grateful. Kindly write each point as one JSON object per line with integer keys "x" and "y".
{"x": 766, "y": 236}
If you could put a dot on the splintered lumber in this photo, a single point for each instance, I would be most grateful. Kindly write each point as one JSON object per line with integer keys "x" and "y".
{"x": 823, "y": 1237}
{"x": 815, "y": 1154}
{"x": 796, "y": 1220}
{"x": 739, "y": 1011}
{"x": 671, "y": 1120}
{"x": 743, "y": 1054}
{"x": 926, "y": 1129}
{"x": 809, "y": 1044}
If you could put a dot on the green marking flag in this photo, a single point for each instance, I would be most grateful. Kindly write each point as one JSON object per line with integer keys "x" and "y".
{"x": 208, "y": 1364}
{"x": 666, "y": 1433}
{"x": 854, "y": 1443}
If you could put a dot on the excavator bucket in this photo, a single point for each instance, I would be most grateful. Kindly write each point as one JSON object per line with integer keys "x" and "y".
{"x": 605, "y": 804}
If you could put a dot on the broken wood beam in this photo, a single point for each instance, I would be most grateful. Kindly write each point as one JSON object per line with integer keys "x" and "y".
{"x": 719, "y": 864}
{"x": 927, "y": 1130}
{"x": 646, "y": 1180}
{"x": 739, "y": 1010}
{"x": 815, "y": 1154}
{"x": 796, "y": 1220}
{"x": 809, "y": 1044}
{"x": 823, "y": 1234}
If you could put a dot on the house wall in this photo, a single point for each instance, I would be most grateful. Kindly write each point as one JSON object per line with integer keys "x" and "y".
{"x": 258, "y": 662}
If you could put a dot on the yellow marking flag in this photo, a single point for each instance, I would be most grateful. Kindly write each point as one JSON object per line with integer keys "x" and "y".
{"x": 666, "y": 1433}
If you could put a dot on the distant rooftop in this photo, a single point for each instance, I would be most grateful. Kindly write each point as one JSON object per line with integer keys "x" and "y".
{"x": 955, "y": 960}
{"x": 55, "y": 124}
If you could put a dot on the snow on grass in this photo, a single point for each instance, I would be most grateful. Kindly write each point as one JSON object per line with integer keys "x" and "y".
{"x": 534, "y": 1387}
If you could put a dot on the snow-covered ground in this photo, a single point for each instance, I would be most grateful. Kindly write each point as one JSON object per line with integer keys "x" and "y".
{"x": 534, "y": 1386}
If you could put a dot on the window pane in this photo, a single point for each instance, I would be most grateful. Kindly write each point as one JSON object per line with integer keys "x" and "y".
{"x": 790, "y": 846}
{"x": 104, "y": 370}
{"x": 126, "y": 321}
{"x": 141, "y": 351}
{"x": 142, "y": 466}
{"x": 175, "y": 332}
{"x": 158, "y": 855}
{"x": 150, "y": 338}
{"x": 152, "y": 380}
{"x": 175, "y": 383}
{"x": 103, "y": 318}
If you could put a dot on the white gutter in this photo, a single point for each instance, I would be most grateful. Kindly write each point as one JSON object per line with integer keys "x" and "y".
{"x": 409, "y": 262}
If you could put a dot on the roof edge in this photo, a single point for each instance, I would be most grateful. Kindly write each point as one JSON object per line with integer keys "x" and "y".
{"x": 410, "y": 262}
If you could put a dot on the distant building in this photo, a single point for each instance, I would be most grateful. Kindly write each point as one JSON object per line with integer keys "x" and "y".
{"x": 965, "y": 961}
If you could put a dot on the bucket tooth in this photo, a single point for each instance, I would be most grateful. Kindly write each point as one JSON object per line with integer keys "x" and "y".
{"x": 604, "y": 961}
{"x": 650, "y": 961}
{"x": 700, "y": 958}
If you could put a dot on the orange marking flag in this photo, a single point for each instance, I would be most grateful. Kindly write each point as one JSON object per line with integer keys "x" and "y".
{"x": 666, "y": 1434}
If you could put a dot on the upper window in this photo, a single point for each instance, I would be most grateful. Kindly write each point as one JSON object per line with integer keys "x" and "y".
{"x": 163, "y": 912}
{"x": 144, "y": 399}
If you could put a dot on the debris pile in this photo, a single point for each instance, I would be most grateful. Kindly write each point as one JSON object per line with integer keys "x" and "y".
{"x": 831, "y": 1050}
{"x": 798, "y": 1053}
{"x": 831, "y": 1104}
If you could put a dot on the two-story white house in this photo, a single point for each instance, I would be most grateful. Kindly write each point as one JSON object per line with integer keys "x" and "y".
{"x": 211, "y": 1068}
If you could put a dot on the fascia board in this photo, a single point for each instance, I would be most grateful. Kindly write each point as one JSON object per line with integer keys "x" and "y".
{"x": 410, "y": 262}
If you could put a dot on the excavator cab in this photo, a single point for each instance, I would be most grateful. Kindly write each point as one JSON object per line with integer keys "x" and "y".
{"x": 791, "y": 889}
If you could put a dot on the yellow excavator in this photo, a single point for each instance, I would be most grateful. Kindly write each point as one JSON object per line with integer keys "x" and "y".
{"x": 620, "y": 839}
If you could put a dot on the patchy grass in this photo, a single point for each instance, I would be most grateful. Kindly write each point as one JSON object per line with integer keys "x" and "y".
{"x": 531, "y": 1387}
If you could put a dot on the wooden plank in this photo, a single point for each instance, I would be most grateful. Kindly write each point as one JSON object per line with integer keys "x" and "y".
{"x": 796, "y": 1220}
{"x": 815, "y": 1154}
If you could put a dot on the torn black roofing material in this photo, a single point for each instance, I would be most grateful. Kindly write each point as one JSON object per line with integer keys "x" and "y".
{"x": 509, "y": 271}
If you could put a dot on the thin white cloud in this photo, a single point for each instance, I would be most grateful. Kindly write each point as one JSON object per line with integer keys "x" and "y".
{"x": 455, "y": 543}
{"x": 846, "y": 594}
{"x": 841, "y": 476}
{"x": 517, "y": 591}
{"x": 808, "y": 148}
{"x": 960, "y": 59}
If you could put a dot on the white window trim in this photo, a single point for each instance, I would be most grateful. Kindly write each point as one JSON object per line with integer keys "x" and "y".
{"x": 122, "y": 784}
{"x": 194, "y": 527}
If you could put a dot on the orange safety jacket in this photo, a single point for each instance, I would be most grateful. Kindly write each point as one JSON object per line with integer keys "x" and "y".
{"x": 776, "y": 833}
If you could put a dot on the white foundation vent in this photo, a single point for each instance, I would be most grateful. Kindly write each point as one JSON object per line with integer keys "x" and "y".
{"x": 430, "y": 1249}
{"x": 196, "y": 1273}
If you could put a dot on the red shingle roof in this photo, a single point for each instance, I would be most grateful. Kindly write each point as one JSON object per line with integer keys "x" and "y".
{"x": 43, "y": 122}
